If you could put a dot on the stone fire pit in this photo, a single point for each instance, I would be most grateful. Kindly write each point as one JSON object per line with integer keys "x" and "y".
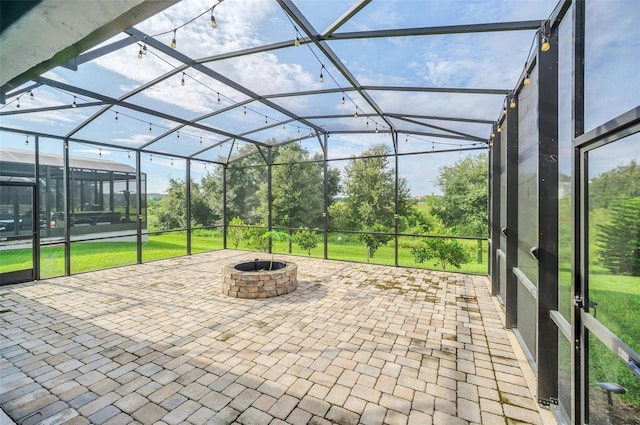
{"x": 253, "y": 279}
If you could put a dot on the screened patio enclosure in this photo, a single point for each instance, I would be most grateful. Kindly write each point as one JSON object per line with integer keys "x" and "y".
{"x": 171, "y": 128}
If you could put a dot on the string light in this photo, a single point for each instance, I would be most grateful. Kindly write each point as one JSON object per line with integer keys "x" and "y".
{"x": 178, "y": 135}
{"x": 150, "y": 128}
{"x": 214, "y": 24}
{"x": 504, "y": 110}
{"x": 244, "y": 111}
{"x": 100, "y": 152}
{"x": 499, "y": 129}
{"x": 31, "y": 96}
{"x": 218, "y": 97}
{"x": 406, "y": 139}
{"x": 144, "y": 48}
{"x": 298, "y": 130}
{"x": 173, "y": 42}
{"x": 376, "y": 128}
{"x": 367, "y": 123}
{"x": 545, "y": 45}
{"x": 527, "y": 79}
{"x": 297, "y": 42}
{"x": 116, "y": 119}
{"x": 321, "y": 76}
{"x": 265, "y": 119}
{"x": 512, "y": 104}
{"x": 355, "y": 116}
{"x": 26, "y": 142}
{"x": 18, "y": 104}
{"x": 182, "y": 81}
{"x": 128, "y": 155}
{"x": 433, "y": 146}
{"x": 140, "y": 53}
{"x": 151, "y": 158}
{"x": 200, "y": 139}
{"x": 342, "y": 101}
{"x": 74, "y": 104}
{"x": 172, "y": 162}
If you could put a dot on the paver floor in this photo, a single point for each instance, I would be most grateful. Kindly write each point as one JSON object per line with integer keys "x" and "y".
{"x": 355, "y": 343}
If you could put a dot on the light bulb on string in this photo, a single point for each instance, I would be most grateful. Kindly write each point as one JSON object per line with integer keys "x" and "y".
{"x": 172, "y": 162}
{"x": 512, "y": 104}
{"x": 355, "y": 116}
{"x": 214, "y": 24}
{"x": 26, "y": 142}
{"x": 342, "y": 101}
{"x": 74, "y": 104}
{"x": 499, "y": 129}
{"x": 182, "y": 81}
{"x": 200, "y": 139}
{"x": 100, "y": 152}
{"x": 367, "y": 123}
{"x": 376, "y": 128}
{"x": 18, "y": 104}
{"x": 128, "y": 155}
{"x": 244, "y": 111}
{"x": 218, "y": 98}
{"x": 150, "y": 158}
{"x": 116, "y": 119}
{"x": 406, "y": 139}
{"x": 433, "y": 146}
{"x": 265, "y": 119}
{"x": 544, "y": 44}
{"x": 31, "y": 96}
{"x": 144, "y": 49}
{"x": 297, "y": 42}
{"x": 493, "y": 134}
{"x": 173, "y": 41}
{"x": 321, "y": 76}
{"x": 140, "y": 53}
{"x": 298, "y": 130}
{"x": 527, "y": 79}
{"x": 178, "y": 135}
{"x": 150, "y": 128}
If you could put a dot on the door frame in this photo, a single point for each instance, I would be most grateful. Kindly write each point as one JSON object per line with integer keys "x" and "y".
{"x": 26, "y": 275}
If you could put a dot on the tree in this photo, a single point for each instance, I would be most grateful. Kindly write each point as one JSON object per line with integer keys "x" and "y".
{"x": 235, "y": 231}
{"x": 172, "y": 209}
{"x": 619, "y": 240}
{"x": 370, "y": 190}
{"x": 306, "y": 239}
{"x": 296, "y": 189}
{"x": 463, "y": 204}
{"x": 443, "y": 250}
{"x": 622, "y": 181}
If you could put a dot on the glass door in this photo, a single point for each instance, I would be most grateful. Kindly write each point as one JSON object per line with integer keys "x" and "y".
{"x": 19, "y": 224}
{"x": 610, "y": 310}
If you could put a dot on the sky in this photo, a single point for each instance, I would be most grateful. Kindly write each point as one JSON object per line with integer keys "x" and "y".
{"x": 482, "y": 60}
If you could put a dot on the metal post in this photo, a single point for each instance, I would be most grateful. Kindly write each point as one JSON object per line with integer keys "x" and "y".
{"x": 325, "y": 184}
{"x": 495, "y": 156}
{"x": 188, "y": 200}
{"x": 395, "y": 208}
{"x": 225, "y": 222}
{"x": 579, "y": 354}
{"x": 36, "y": 213}
{"x": 139, "y": 207}
{"x": 67, "y": 207}
{"x": 269, "y": 194}
{"x": 547, "y": 335}
{"x": 511, "y": 301}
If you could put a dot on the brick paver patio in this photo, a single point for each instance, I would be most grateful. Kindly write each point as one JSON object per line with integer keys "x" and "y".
{"x": 159, "y": 343}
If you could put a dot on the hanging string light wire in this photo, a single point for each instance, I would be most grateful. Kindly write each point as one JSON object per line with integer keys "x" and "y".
{"x": 324, "y": 69}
